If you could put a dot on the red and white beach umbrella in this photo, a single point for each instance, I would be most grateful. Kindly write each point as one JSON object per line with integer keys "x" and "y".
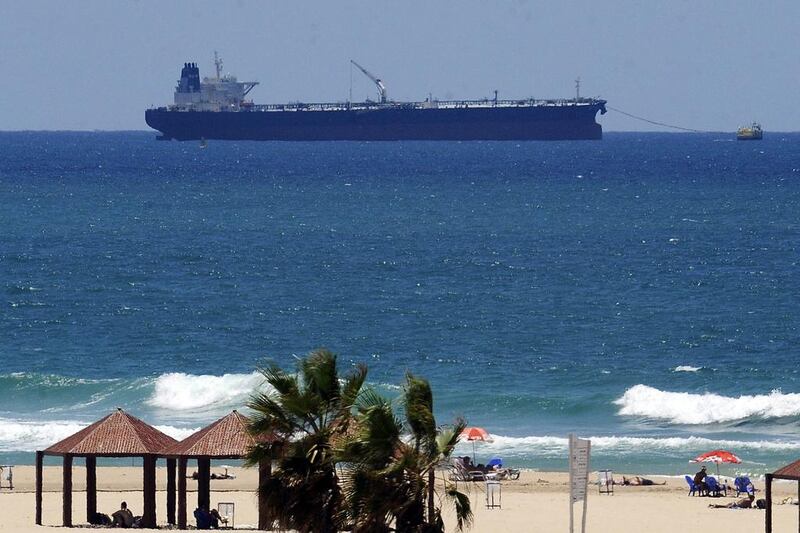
{"x": 475, "y": 434}
{"x": 717, "y": 456}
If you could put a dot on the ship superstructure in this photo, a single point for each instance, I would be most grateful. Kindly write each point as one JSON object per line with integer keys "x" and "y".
{"x": 220, "y": 93}
{"x": 753, "y": 132}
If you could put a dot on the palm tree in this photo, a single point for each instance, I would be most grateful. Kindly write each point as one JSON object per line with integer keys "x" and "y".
{"x": 433, "y": 446}
{"x": 306, "y": 411}
{"x": 391, "y": 482}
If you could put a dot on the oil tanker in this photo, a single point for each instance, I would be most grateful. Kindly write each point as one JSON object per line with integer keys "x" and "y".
{"x": 218, "y": 108}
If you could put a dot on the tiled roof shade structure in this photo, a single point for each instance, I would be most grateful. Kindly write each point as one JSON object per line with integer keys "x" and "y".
{"x": 791, "y": 472}
{"x": 116, "y": 435}
{"x": 227, "y": 438}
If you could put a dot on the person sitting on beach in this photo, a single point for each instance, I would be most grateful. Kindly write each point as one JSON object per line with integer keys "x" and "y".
{"x": 744, "y": 503}
{"x": 216, "y": 518}
{"x": 203, "y": 517}
{"x": 123, "y": 517}
{"x": 699, "y": 481}
{"x": 207, "y": 519}
{"x": 640, "y": 481}
{"x": 469, "y": 465}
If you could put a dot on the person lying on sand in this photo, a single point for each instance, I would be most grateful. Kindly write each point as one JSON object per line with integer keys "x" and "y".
{"x": 639, "y": 481}
{"x": 744, "y": 503}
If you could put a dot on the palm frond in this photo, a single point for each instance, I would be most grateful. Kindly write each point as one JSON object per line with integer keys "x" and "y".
{"x": 320, "y": 375}
{"x": 353, "y": 385}
{"x": 279, "y": 380}
{"x": 419, "y": 412}
{"x": 376, "y": 436}
{"x": 463, "y": 508}
{"x": 368, "y": 398}
{"x": 448, "y": 436}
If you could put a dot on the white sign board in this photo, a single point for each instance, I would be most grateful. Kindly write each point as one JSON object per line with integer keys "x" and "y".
{"x": 579, "y": 451}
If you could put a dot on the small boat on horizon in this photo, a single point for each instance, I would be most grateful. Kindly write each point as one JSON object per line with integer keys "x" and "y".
{"x": 752, "y": 132}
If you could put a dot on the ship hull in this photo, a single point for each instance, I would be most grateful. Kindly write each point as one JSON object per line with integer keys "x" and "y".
{"x": 564, "y": 122}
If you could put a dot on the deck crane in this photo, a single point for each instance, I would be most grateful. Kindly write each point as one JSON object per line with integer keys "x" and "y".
{"x": 376, "y": 81}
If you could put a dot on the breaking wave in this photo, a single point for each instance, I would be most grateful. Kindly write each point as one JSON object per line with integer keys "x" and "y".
{"x": 27, "y": 396}
{"x": 707, "y": 408}
{"x": 184, "y": 392}
{"x": 556, "y": 447}
{"x": 28, "y": 436}
{"x": 687, "y": 368}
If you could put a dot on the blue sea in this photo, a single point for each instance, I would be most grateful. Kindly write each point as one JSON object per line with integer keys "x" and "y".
{"x": 642, "y": 291}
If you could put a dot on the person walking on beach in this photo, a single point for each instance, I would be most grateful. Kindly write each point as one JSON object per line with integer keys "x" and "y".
{"x": 699, "y": 481}
{"x": 123, "y": 517}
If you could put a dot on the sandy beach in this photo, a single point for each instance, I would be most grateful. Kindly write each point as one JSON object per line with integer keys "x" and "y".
{"x": 535, "y": 502}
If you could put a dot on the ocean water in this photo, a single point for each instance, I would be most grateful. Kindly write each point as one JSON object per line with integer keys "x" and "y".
{"x": 641, "y": 291}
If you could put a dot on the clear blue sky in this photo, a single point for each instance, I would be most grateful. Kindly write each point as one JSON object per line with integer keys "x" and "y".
{"x": 702, "y": 64}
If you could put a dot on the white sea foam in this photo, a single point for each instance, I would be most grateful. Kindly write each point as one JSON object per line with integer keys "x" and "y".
{"x": 708, "y": 408}
{"x": 176, "y": 433}
{"x": 184, "y": 392}
{"x": 26, "y": 436}
{"x": 16, "y": 435}
{"x": 687, "y": 368}
{"x": 556, "y": 447}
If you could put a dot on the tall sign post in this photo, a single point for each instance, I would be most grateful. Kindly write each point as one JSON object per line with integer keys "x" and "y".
{"x": 578, "y": 477}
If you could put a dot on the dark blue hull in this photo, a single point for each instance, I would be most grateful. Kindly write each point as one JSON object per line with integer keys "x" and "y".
{"x": 563, "y": 122}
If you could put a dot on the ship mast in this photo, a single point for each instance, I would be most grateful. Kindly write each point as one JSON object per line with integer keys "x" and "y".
{"x": 375, "y": 80}
{"x": 217, "y": 63}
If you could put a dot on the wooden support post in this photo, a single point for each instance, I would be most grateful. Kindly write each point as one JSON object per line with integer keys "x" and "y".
{"x": 171, "y": 491}
{"x": 204, "y": 483}
{"x": 91, "y": 488}
{"x": 149, "y": 489}
{"x": 67, "y": 491}
{"x": 264, "y": 473}
{"x": 182, "y": 493}
{"x": 768, "y": 514}
{"x": 39, "y": 468}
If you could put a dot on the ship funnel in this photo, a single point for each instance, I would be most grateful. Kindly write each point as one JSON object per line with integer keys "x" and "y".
{"x": 190, "y": 79}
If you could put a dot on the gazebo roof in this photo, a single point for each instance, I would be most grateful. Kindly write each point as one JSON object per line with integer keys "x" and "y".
{"x": 116, "y": 435}
{"x": 227, "y": 438}
{"x": 790, "y": 471}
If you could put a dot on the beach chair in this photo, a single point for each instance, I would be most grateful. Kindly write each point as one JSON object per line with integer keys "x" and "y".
{"x": 7, "y": 476}
{"x": 495, "y": 461}
{"x": 493, "y": 494}
{"x": 741, "y": 485}
{"x": 494, "y": 470}
{"x": 459, "y": 472}
{"x": 226, "y": 511}
{"x": 605, "y": 482}
{"x": 714, "y": 488}
{"x": 693, "y": 489}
